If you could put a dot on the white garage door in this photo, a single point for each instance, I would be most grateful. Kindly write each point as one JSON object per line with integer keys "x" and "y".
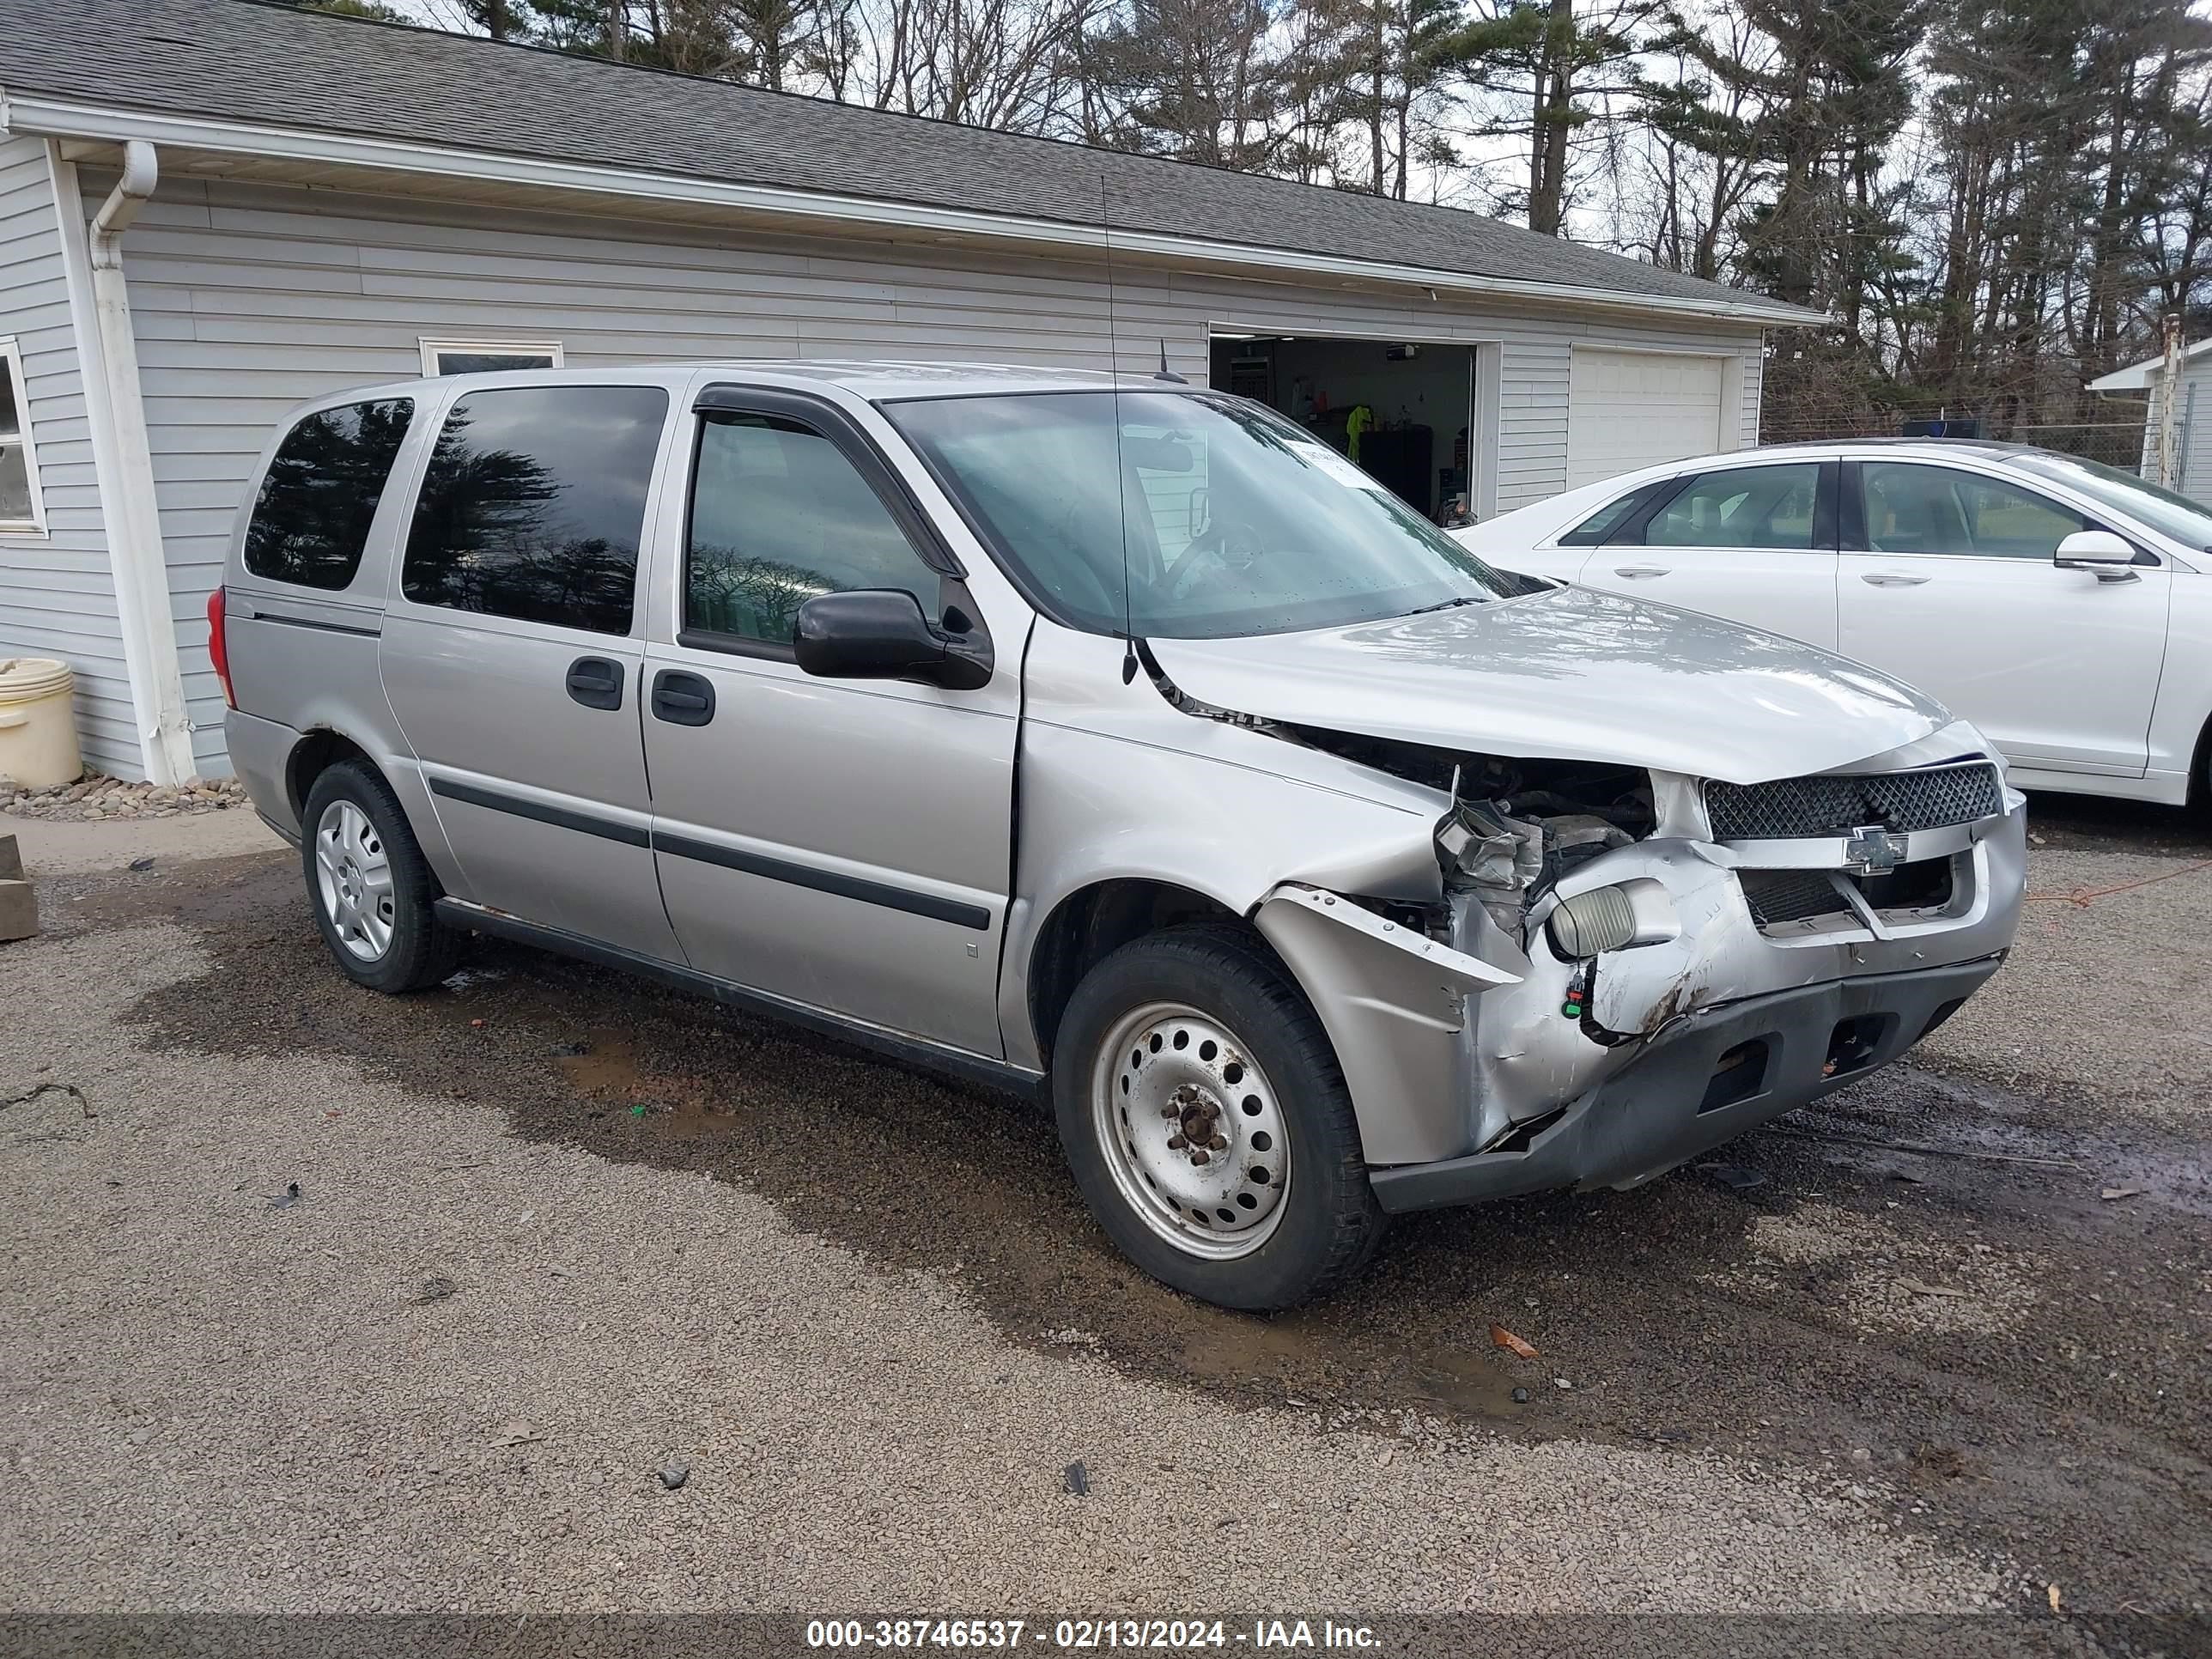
{"x": 1632, "y": 408}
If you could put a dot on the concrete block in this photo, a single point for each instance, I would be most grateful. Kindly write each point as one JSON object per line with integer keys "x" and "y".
{"x": 11, "y": 859}
{"x": 18, "y": 910}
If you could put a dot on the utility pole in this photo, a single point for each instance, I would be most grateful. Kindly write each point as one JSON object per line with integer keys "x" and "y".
{"x": 2169, "y": 399}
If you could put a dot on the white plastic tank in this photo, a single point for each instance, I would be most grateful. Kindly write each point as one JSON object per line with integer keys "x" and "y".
{"x": 37, "y": 723}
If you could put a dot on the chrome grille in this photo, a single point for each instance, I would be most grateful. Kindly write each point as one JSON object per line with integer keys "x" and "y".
{"x": 1793, "y": 808}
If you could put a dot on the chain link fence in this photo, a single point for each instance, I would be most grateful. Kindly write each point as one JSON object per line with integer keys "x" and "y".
{"x": 1815, "y": 403}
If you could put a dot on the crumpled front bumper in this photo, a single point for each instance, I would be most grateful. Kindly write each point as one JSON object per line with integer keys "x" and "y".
{"x": 1472, "y": 1079}
{"x": 1714, "y": 1074}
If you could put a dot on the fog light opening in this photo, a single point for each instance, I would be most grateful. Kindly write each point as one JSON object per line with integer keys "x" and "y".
{"x": 1737, "y": 1076}
{"x": 1854, "y": 1044}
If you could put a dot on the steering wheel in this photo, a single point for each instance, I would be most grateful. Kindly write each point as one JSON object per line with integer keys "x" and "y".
{"x": 1227, "y": 546}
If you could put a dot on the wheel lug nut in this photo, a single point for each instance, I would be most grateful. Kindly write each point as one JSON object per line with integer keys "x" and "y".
{"x": 1219, "y": 1144}
{"x": 1201, "y": 1156}
{"x": 1176, "y": 1143}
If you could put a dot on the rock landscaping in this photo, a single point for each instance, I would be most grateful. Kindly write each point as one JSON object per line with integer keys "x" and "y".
{"x": 94, "y": 797}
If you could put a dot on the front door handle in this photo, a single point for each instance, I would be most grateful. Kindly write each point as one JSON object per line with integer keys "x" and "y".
{"x": 1890, "y": 579}
{"x": 1637, "y": 573}
{"x": 596, "y": 682}
{"x": 682, "y": 699}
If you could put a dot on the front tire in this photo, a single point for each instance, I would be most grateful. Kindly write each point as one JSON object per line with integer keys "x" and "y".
{"x": 1208, "y": 1123}
{"x": 371, "y": 888}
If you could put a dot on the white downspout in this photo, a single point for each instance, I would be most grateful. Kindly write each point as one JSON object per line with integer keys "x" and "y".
{"x": 134, "y": 525}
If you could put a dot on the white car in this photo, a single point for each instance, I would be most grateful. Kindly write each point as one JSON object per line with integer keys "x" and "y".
{"x": 2064, "y": 607}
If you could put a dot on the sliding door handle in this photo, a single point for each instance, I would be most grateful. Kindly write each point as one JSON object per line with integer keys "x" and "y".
{"x": 596, "y": 682}
{"x": 1891, "y": 579}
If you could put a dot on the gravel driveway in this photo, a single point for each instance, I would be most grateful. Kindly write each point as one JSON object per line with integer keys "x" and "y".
{"x": 555, "y": 1232}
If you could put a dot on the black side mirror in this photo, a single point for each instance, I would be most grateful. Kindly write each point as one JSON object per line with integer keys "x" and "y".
{"x": 880, "y": 634}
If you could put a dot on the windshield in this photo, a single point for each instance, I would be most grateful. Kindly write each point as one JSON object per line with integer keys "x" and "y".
{"x": 1236, "y": 522}
{"x": 2164, "y": 511}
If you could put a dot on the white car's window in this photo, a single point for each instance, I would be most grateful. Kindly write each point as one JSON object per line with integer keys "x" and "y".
{"x": 1593, "y": 530}
{"x": 1745, "y": 507}
{"x": 2162, "y": 509}
{"x": 1941, "y": 509}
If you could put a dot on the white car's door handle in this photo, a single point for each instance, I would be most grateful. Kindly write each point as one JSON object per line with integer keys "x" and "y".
{"x": 1637, "y": 573}
{"x": 1890, "y": 579}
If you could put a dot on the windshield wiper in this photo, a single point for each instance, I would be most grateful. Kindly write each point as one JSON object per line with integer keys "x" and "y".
{"x": 1446, "y": 605}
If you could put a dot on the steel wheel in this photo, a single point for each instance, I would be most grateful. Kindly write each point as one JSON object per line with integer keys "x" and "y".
{"x": 353, "y": 879}
{"x": 1191, "y": 1131}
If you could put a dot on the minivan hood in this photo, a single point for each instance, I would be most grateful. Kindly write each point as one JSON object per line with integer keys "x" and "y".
{"x": 1569, "y": 674}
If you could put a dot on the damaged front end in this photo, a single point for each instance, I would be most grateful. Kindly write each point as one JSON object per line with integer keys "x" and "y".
{"x": 1625, "y": 968}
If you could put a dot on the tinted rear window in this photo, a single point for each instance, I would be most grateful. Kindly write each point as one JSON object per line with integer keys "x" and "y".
{"x": 319, "y": 498}
{"x": 533, "y": 504}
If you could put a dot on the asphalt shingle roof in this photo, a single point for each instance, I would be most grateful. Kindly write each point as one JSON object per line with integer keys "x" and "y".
{"x": 271, "y": 65}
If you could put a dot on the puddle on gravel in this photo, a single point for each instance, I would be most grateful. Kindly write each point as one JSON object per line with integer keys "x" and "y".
{"x": 603, "y": 1066}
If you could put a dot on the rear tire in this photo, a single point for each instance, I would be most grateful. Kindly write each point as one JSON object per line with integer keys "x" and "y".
{"x": 1207, "y": 1124}
{"x": 370, "y": 886}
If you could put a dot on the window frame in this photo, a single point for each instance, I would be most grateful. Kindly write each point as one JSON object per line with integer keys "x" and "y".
{"x": 1853, "y": 501}
{"x": 833, "y": 424}
{"x": 433, "y": 348}
{"x": 11, "y": 363}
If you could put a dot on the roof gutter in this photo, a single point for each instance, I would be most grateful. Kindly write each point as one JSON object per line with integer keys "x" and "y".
{"x": 59, "y": 117}
{"x": 123, "y": 461}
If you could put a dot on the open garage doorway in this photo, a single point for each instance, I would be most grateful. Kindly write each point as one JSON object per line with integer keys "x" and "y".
{"x": 1407, "y": 412}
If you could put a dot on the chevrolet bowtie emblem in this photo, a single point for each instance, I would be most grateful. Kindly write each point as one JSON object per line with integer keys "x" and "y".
{"x": 1872, "y": 850}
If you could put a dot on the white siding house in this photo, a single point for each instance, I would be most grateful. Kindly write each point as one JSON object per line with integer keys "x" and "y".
{"x": 399, "y": 195}
{"x": 2192, "y": 416}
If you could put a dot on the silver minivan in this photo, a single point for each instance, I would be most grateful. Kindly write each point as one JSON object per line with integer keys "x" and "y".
{"x": 1118, "y": 743}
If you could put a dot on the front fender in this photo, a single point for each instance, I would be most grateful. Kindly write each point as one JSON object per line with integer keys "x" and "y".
{"x": 1097, "y": 808}
{"x": 1393, "y": 1003}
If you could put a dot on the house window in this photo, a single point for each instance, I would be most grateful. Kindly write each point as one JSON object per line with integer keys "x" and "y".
{"x": 487, "y": 356}
{"x": 21, "y": 512}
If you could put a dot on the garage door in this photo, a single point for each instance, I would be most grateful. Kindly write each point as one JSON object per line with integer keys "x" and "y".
{"x": 1632, "y": 408}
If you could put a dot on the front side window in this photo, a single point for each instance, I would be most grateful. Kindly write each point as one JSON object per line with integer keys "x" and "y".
{"x": 1745, "y": 507}
{"x": 1214, "y": 517}
{"x": 778, "y": 516}
{"x": 312, "y": 517}
{"x": 1941, "y": 509}
{"x": 533, "y": 504}
{"x": 21, "y": 509}
{"x": 2166, "y": 511}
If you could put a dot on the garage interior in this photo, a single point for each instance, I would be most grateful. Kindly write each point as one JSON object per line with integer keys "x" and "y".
{"x": 1415, "y": 434}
